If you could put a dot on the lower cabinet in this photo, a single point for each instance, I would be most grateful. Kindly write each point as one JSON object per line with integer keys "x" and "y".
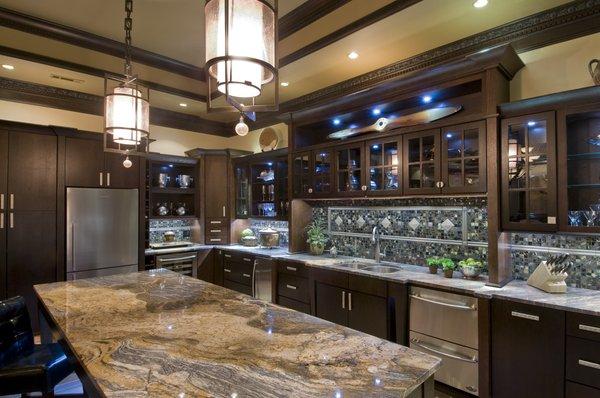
{"x": 293, "y": 286}
{"x": 528, "y": 350}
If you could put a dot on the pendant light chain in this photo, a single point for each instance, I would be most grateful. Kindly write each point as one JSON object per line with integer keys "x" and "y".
{"x": 128, "y": 25}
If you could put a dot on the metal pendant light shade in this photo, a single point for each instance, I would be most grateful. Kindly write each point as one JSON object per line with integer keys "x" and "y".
{"x": 241, "y": 56}
{"x": 126, "y": 106}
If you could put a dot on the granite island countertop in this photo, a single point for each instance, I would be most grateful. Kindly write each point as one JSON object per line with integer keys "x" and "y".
{"x": 158, "y": 333}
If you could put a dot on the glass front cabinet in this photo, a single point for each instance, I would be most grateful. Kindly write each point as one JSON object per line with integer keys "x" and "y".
{"x": 384, "y": 166}
{"x": 242, "y": 191}
{"x": 528, "y": 173}
{"x": 349, "y": 170}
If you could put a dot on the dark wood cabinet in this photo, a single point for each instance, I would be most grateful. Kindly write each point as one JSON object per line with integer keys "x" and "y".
{"x": 422, "y": 163}
{"x": 301, "y": 174}
{"x": 241, "y": 171}
{"x": 3, "y": 208}
{"x": 322, "y": 168}
{"x": 384, "y": 166}
{"x": 331, "y": 303}
{"x": 206, "y": 269}
{"x": 216, "y": 177}
{"x": 350, "y": 170}
{"x": 368, "y": 314}
{"x": 117, "y": 176}
{"x": 528, "y": 350}
{"x": 528, "y": 172}
{"x": 464, "y": 158}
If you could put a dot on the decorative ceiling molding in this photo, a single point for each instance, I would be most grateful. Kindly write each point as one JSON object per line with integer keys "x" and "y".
{"x": 90, "y": 70}
{"x": 55, "y": 97}
{"x": 37, "y": 26}
{"x": 305, "y": 14}
{"x": 574, "y": 19}
{"x": 375, "y": 16}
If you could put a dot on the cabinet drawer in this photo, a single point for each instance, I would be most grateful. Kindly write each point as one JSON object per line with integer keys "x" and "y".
{"x": 238, "y": 287}
{"x": 293, "y": 287}
{"x": 583, "y": 361}
{"x": 575, "y": 390}
{"x": 216, "y": 222}
{"x": 238, "y": 272}
{"x": 368, "y": 285}
{"x": 238, "y": 257}
{"x": 292, "y": 268}
{"x": 293, "y": 304}
{"x": 217, "y": 239}
{"x": 585, "y": 326}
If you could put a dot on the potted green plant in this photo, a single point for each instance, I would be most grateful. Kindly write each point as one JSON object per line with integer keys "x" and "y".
{"x": 433, "y": 263}
{"x": 448, "y": 267}
{"x": 470, "y": 268}
{"x": 316, "y": 238}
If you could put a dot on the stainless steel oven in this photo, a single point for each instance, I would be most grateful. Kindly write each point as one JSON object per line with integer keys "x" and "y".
{"x": 185, "y": 263}
{"x": 445, "y": 325}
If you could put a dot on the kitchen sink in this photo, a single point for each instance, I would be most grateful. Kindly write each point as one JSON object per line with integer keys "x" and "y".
{"x": 355, "y": 265}
{"x": 382, "y": 269}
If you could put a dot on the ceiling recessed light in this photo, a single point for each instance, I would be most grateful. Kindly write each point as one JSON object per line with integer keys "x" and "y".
{"x": 8, "y": 67}
{"x": 183, "y": 104}
{"x": 376, "y": 111}
{"x": 480, "y": 3}
{"x": 427, "y": 99}
{"x": 285, "y": 84}
{"x": 353, "y": 55}
{"x": 531, "y": 123}
{"x": 336, "y": 122}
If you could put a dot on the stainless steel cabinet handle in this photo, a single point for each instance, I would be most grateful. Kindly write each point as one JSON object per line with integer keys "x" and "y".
{"x": 11, "y": 204}
{"x": 1, "y": 201}
{"x": 215, "y": 222}
{"x": 215, "y": 230}
{"x": 291, "y": 287}
{"x": 344, "y": 300}
{"x": 457, "y": 306}
{"x": 101, "y": 179}
{"x": 589, "y": 364}
{"x": 170, "y": 260}
{"x": 246, "y": 275}
{"x": 439, "y": 351}
{"x": 589, "y": 328}
{"x": 291, "y": 268}
{"x": 11, "y": 220}
{"x": 226, "y": 270}
{"x": 227, "y": 255}
{"x": 223, "y": 210}
{"x": 1, "y": 220}
{"x": 525, "y": 316}
{"x": 349, "y": 301}
{"x": 108, "y": 179}
{"x": 247, "y": 259}
{"x": 215, "y": 240}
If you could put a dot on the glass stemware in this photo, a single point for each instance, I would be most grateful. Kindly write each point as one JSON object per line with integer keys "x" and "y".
{"x": 575, "y": 218}
{"x": 590, "y": 216}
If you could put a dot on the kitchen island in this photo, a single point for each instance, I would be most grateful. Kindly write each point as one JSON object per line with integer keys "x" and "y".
{"x": 161, "y": 334}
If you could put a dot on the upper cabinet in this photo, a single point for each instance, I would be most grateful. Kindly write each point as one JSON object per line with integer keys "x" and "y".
{"x": 384, "y": 166}
{"x": 579, "y": 154}
{"x": 422, "y": 162}
{"x": 301, "y": 174}
{"x": 322, "y": 182}
{"x": 349, "y": 169}
{"x": 528, "y": 162}
{"x": 464, "y": 158}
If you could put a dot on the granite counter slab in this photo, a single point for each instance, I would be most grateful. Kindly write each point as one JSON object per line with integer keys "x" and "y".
{"x": 160, "y": 334}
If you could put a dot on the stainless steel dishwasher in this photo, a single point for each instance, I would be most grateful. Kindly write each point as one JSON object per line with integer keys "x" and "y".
{"x": 445, "y": 325}
{"x": 262, "y": 274}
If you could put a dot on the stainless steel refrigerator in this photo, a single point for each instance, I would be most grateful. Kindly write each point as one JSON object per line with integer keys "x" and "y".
{"x": 102, "y": 232}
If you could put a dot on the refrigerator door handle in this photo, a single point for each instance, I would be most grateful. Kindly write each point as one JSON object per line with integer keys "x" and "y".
{"x": 73, "y": 246}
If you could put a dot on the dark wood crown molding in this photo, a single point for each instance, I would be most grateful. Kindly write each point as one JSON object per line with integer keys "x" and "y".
{"x": 375, "y": 16}
{"x": 90, "y": 70}
{"x": 575, "y": 19}
{"x": 305, "y": 14}
{"x": 26, "y": 23}
{"x": 54, "y": 97}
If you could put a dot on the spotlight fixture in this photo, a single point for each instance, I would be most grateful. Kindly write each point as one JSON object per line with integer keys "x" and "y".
{"x": 8, "y": 67}
{"x": 376, "y": 111}
{"x": 336, "y": 122}
{"x": 531, "y": 123}
{"x": 183, "y": 104}
{"x": 427, "y": 99}
{"x": 480, "y": 3}
{"x": 285, "y": 84}
{"x": 353, "y": 55}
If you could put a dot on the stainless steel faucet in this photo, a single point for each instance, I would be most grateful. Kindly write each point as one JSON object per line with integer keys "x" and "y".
{"x": 376, "y": 239}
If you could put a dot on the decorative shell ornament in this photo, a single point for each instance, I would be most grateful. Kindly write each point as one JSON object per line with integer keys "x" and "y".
{"x": 268, "y": 139}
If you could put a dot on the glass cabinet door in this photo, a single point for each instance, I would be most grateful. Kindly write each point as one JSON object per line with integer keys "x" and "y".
{"x": 464, "y": 158}
{"x": 384, "y": 166}
{"x": 242, "y": 191}
{"x": 421, "y": 160}
{"x": 580, "y": 202}
{"x": 349, "y": 169}
{"x": 281, "y": 183}
{"x": 322, "y": 171}
{"x": 529, "y": 172}
{"x": 301, "y": 174}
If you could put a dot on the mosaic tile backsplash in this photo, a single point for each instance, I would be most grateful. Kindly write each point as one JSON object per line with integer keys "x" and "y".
{"x": 279, "y": 226}
{"x": 182, "y": 229}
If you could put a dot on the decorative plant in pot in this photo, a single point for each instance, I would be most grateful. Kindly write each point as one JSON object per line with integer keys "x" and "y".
{"x": 316, "y": 238}
{"x": 433, "y": 263}
{"x": 470, "y": 268}
{"x": 448, "y": 267}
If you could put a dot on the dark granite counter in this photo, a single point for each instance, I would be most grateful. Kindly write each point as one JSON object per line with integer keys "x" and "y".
{"x": 160, "y": 334}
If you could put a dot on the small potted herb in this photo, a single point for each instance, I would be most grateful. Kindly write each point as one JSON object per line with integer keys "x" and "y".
{"x": 316, "y": 238}
{"x": 470, "y": 268}
{"x": 448, "y": 267}
{"x": 433, "y": 263}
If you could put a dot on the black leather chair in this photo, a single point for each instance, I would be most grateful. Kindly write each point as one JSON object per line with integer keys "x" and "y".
{"x": 24, "y": 366}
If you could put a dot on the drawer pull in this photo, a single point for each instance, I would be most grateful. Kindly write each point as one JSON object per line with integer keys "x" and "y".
{"x": 215, "y": 240}
{"x": 589, "y": 328}
{"x": 215, "y": 222}
{"x": 525, "y": 316}
{"x": 291, "y": 287}
{"x": 227, "y": 255}
{"x": 439, "y": 351}
{"x": 589, "y": 364}
{"x": 247, "y": 259}
{"x": 246, "y": 275}
{"x": 291, "y": 268}
{"x": 227, "y": 270}
{"x": 349, "y": 301}
{"x": 172, "y": 260}
{"x": 343, "y": 300}
{"x": 457, "y": 306}
{"x": 214, "y": 231}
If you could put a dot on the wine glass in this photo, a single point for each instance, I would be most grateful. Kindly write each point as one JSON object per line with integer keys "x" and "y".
{"x": 590, "y": 216}
{"x": 575, "y": 218}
